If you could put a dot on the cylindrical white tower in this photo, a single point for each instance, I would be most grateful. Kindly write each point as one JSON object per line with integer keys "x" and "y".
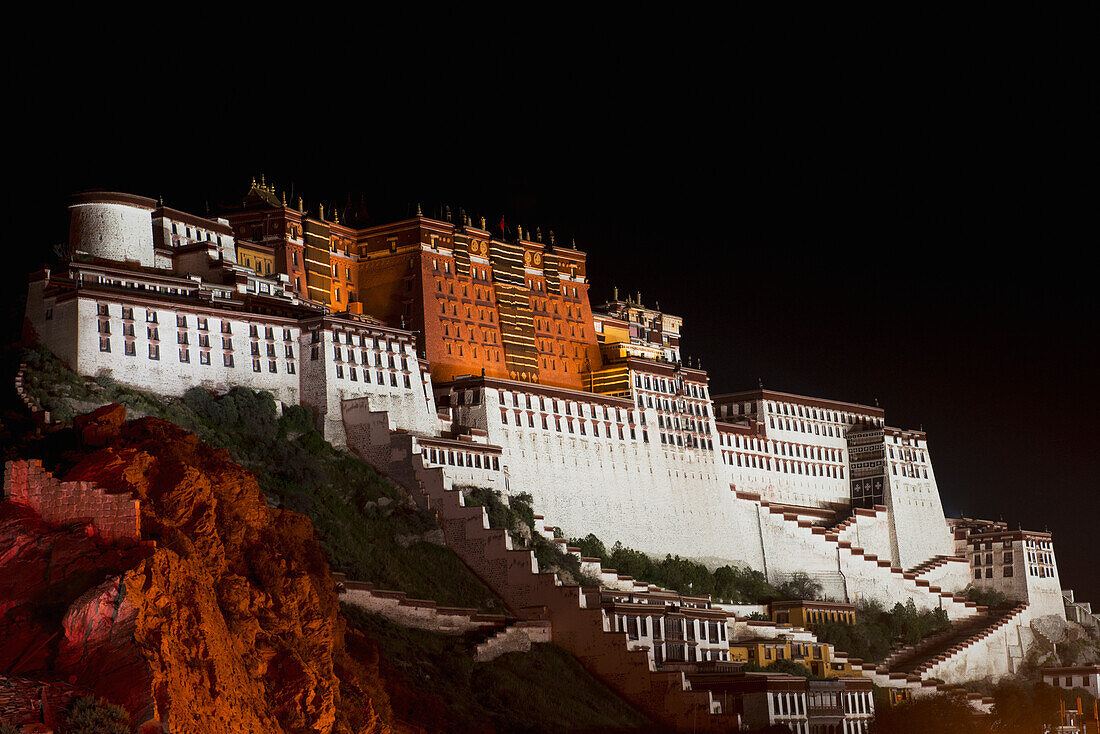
{"x": 112, "y": 226}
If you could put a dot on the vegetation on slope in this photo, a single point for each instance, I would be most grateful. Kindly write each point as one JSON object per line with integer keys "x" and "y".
{"x": 434, "y": 684}
{"x": 730, "y": 584}
{"x": 989, "y": 598}
{"x": 877, "y": 631}
{"x": 517, "y": 516}
{"x": 1017, "y": 707}
{"x": 370, "y": 531}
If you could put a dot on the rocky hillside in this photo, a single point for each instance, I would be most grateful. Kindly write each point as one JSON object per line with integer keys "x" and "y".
{"x": 221, "y": 615}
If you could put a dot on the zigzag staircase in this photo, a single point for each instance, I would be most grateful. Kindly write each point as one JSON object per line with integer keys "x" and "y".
{"x": 664, "y": 696}
{"x": 851, "y": 557}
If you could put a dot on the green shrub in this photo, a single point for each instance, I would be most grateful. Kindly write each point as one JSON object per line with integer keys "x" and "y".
{"x": 991, "y": 598}
{"x": 800, "y": 585}
{"x": 91, "y": 715}
{"x": 517, "y": 517}
{"x": 727, "y": 583}
{"x": 877, "y": 631}
{"x": 789, "y": 667}
{"x": 6, "y": 728}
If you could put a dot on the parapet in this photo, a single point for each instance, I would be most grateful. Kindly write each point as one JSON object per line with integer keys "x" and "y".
{"x": 115, "y": 516}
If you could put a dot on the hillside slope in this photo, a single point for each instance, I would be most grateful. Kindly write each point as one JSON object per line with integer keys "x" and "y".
{"x": 222, "y": 614}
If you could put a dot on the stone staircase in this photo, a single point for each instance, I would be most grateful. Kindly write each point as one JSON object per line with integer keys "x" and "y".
{"x": 419, "y": 613}
{"x": 513, "y": 638}
{"x": 488, "y": 635}
{"x": 933, "y": 563}
{"x": 513, "y": 574}
{"x": 854, "y": 561}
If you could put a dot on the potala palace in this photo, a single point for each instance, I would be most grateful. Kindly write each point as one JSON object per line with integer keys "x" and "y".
{"x": 449, "y": 356}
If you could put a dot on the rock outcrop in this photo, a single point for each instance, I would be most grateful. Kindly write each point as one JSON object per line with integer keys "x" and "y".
{"x": 222, "y": 616}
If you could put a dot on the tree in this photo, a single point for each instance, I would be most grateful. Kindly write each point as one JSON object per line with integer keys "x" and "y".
{"x": 800, "y": 585}
{"x": 92, "y": 715}
{"x": 943, "y": 713}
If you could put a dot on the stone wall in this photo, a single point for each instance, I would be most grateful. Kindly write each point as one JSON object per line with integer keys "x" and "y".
{"x": 114, "y": 516}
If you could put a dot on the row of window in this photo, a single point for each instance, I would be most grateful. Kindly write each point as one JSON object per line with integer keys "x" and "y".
{"x": 392, "y": 361}
{"x": 908, "y": 470}
{"x": 565, "y": 407}
{"x": 202, "y": 323}
{"x": 581, "y": 425}
{"x": 670, "y": 387}
{"x": 781, "y": 448}
{"x": 130, "y": 350}
{"x": 378, "y": 343}
{"x": 755, "y": 461}
{"x": 1006, "y": 572}
{"x": 450, "y": 457}
{"x": 353, "y": 375}
{"x": 199, "y": 234}
{"x": 1007, "y": 558}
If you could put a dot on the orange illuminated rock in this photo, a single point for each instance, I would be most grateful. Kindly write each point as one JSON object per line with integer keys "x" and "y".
{"x": 223, "y": 617}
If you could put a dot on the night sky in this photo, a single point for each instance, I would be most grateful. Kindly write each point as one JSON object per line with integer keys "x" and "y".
{"x": 905, "y": 223}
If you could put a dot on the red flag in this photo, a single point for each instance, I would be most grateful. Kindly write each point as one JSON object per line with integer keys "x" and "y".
{"x": 502, "y": 225}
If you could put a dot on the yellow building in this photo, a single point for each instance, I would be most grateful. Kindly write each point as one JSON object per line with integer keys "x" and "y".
{"x": 817, "y": 656}
{"x": 260, "y": 258}
{"x": 809, "y": 614}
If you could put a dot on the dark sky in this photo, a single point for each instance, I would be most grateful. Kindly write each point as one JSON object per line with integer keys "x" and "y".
{"x": 907, "y": 219}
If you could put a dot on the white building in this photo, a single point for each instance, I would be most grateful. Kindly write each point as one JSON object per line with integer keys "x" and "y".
{"x": 1087, "y": 677}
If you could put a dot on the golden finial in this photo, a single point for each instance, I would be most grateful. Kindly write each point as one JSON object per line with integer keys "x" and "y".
{"x": 336, "y": 215}
{"x": 322, "y": 208}
{"x": 419, "y": 213}
{"x": 301, "y": 206}
{"x": 284, "y": 198}
{"x": 483, "y": 222}
{"x": 263, "y": 184}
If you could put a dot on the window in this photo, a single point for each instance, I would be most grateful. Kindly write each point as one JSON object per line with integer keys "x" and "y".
{"x": 185, "y": 355}
{"x": 204, "y": 357}
{"x": 151, "y": 316}
{"x": 104, "y": 343}
{"x": 154, "y": 351}
{"x": 227, "y": 360}
{"x": 255, "y": 365}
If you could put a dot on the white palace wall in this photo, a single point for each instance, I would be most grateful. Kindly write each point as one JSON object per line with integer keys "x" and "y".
{"x": 919, "y": 528}
{"x": 651, "y": 498}
{"x": 74, "y": 334}
{"x": 386, "y": 372}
